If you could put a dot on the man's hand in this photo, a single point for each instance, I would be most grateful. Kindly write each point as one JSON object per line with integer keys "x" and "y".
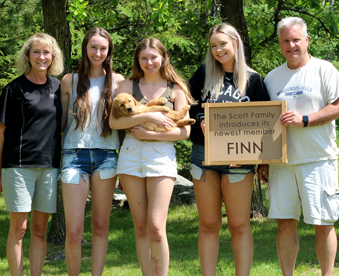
{"x": 202, "y": 124}
{"x": 263, "y": 172}
{"x": 291, "y": 118}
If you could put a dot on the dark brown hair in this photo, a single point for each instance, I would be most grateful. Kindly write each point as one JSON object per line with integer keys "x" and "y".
{"x": 82, "y": 106}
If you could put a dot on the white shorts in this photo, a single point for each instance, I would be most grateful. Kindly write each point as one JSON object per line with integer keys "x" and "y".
{"x": 147, "y": 158}
{"x": 310, "y": 186}
{"x": 27, "y": 189}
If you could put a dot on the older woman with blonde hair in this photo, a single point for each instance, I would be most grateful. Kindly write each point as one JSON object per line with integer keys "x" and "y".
{"x": 30, "y": 146}
{"x": 224, "y": 77}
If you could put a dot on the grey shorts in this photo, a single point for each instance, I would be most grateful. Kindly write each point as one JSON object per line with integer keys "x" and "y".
{"x": 27, "y": 189}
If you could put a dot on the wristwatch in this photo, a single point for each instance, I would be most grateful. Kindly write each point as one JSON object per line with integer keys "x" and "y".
{"x": 305, "y": 120}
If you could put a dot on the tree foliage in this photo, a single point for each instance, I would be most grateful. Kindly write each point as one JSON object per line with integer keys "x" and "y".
{"x": 262, "y": 17}
{"x": 19, "y": 19}
{"x": 181, "y": 25}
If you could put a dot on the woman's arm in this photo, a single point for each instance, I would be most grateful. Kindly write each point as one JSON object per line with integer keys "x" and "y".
{"x": 2, "y": 141}
{"x": 65, "y": 89}
{"x": 178, "y": 133}
{"x": 119, "y": 79}
{"x": 135, "y": 120}
{"x": 196, "y": 84}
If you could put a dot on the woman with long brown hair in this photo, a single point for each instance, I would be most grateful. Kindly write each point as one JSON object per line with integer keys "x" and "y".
{"x": 89, "y": 148}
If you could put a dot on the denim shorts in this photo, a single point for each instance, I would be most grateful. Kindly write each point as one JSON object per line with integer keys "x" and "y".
{"x": 27, "y": 189}
{"x": 76, "y": 162}
{"x": 197, "y": 168}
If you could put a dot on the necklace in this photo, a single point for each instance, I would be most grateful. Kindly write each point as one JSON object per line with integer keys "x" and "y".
{"x": 227, "y": 77}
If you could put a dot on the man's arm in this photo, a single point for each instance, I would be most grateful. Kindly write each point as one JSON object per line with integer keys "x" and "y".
{"x": 321, "y": 117}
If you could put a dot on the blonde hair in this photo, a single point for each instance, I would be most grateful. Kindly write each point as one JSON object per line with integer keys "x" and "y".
{"x": 167, "y": 71}
{"x": 57, "y": 66}
{"x": 214, "y": 71}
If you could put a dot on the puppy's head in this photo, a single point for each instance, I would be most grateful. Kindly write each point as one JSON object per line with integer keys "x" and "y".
{"x": 123, "y": 105}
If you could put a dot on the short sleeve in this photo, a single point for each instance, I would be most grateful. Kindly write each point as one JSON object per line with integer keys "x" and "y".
{"x": 5, "y": 103}
{"x": 330, "y": 82}
{"x": 196, "y": 85}
{"x": 256, "y": 89}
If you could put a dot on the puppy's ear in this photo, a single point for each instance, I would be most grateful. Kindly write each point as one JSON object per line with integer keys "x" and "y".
{"x": 136, "y": 102}
{"x": 115, "y": 109}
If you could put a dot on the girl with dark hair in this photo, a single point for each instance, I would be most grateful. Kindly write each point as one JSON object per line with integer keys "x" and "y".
{"x": 224, "y": 77}
{"x": 89, "y": 148}
{"x": 147, "y": 165}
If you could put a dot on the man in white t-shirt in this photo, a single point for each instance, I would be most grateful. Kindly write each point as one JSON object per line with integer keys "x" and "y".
{"x": 309, "y": 181}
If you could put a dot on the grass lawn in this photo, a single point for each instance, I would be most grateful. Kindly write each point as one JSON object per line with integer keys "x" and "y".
{"x": 182, "y": 228}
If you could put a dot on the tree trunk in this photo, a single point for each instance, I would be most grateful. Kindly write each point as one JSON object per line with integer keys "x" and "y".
{"x": 257, "y": 204}
{"x": 57, "y": 232}
{"x": 232, "y": 12}
{"x": 56, "y": 24}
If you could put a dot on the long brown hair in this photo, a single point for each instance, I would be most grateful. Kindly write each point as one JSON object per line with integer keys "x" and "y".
{"x": 82, "y": 106}
{"x": 167, "y": 71}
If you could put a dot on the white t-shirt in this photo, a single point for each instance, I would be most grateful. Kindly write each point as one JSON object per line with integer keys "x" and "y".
{"x": 307, "y": 90}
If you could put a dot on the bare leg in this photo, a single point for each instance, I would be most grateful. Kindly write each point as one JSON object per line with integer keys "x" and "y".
{"x": 75, "y": 198}
{"x": 102, "y": 196}
{"x": 209, "y": 199}
{"x": 38, "y": 244}
{"x": 237, "y": 198}
{"x": 14, "y": 250}
{"x": 159, "y": 192}
{"x": 135, "y": 190}
{"x": 326, "y": 247}
{"x": 287, "y": 245}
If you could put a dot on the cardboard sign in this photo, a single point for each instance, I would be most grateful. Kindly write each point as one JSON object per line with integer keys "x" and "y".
{"x": 245, "y": 133}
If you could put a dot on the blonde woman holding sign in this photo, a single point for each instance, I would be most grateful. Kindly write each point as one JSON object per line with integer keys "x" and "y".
{"x": 224, "y": 77}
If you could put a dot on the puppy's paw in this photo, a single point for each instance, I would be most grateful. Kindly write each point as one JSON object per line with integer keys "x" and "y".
{"x": 162, "y": 101}
{"x": 191, "y": 121}
{"x": 186, "y": 107}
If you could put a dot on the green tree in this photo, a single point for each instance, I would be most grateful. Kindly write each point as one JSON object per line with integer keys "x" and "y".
{"x": 55, "y": 13}
{"x": 19, "y": 19}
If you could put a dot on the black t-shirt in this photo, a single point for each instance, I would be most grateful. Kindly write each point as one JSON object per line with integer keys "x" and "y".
{"x": 32, "y": 115}
{"x": 255, "y": 91}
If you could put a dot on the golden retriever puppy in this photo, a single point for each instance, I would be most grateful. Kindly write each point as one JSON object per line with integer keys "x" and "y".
{"x": 126, "y": 105}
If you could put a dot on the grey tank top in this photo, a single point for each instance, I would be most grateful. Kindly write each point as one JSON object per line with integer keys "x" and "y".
{"x": 168, "y": 94}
